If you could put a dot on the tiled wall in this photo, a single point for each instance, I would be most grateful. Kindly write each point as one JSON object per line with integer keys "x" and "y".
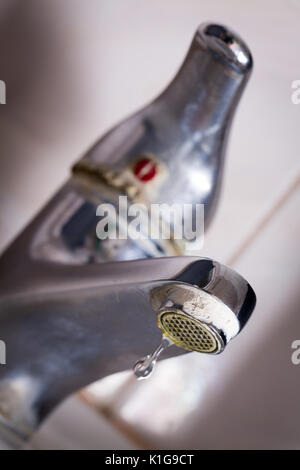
{"x": 73, "y": 69}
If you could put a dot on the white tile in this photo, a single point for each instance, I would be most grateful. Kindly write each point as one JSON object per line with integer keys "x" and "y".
{"x": 74, "y": 426}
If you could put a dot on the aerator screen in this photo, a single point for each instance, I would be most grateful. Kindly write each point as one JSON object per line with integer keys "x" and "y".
{"x": 188, "y": 333}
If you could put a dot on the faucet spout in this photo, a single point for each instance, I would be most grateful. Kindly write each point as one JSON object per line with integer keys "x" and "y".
{"x": 67, "y": 334}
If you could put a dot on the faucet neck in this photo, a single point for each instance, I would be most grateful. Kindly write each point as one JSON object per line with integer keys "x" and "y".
{"x": 211, "y": 79}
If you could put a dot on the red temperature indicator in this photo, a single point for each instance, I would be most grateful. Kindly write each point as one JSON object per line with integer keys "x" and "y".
{"x": 145, "y": 170}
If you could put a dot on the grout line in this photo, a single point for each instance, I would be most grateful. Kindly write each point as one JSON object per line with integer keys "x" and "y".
{"x": 264, "y": 221}
{"x": 118, "y": 423}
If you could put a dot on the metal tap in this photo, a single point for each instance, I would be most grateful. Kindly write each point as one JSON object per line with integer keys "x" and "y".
{"x": 74, "y": 309}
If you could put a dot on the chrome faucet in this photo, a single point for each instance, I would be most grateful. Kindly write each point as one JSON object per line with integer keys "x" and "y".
{"x": 70, "y": 311}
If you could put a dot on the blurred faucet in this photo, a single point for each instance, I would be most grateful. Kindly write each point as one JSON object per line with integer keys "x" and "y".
{"x": 71, "y": 312}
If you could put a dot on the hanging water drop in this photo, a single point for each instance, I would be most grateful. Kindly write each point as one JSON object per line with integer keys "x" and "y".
{"x": 145, "y": 366}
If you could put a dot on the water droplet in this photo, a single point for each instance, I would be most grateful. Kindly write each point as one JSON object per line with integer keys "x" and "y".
{"x": 145, "y": 366}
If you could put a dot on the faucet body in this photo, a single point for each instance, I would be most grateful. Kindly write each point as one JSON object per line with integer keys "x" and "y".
{"x": 70, "y": 311}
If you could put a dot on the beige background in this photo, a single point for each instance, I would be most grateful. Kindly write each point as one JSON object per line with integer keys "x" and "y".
{"x": 73, "y": 68}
